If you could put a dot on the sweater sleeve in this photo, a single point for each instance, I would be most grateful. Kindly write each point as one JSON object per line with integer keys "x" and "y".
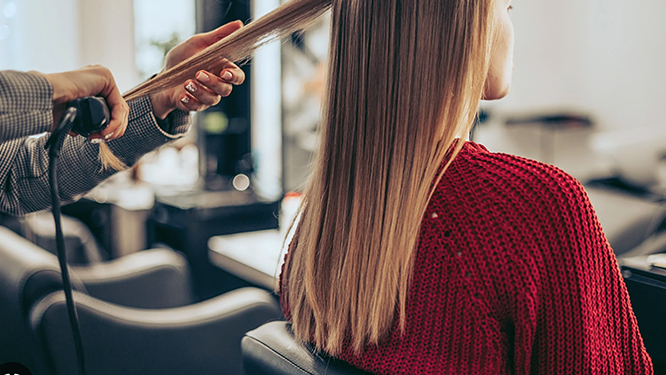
{"x": 574, "y": 316}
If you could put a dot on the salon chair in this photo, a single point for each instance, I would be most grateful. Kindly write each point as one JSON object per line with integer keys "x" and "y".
{"x": 627, "y": 221}
{"x": 272, "y": 350}
{"x": 81, "y": 246}
{"x": 155, "y": 278}
{"x": 137, "y": 315}
{"x": 647, "y": 290}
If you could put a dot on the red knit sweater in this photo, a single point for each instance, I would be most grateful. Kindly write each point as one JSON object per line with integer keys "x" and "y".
{"x": 513, "y": 275}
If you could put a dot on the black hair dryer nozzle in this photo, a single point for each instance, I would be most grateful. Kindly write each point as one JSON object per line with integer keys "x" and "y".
{"x": 93, "y": 115}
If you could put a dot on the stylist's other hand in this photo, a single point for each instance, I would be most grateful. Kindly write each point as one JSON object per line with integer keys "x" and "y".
{"x": 206, "y": 88}
{"x": 93, "y": 80}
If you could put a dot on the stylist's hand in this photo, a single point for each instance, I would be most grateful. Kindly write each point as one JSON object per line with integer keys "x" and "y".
{"x": 92, "y": 80}
{"x": 206, "y": 88}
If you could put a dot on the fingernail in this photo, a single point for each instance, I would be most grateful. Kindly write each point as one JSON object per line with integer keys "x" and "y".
{"x": 203, "y": 77}
{"x": 227, "y": 76}
{"x": 96, "y": 141}
{"x": 185, "y": 99}
{"x": 106, "y": 137}
{"x": 191, "y": 87}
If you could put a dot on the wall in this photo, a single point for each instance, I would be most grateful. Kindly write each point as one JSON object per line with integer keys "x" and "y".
{"x": 53, "y": 36}
{"x": 107, "y": 38}
{"x": 43, "y": 35}
{"x": 605, "y": 56}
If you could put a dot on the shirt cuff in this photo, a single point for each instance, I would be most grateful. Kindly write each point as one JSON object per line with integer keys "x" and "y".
{"x": 176, "y": 122}
{"x": 143, "y": 133}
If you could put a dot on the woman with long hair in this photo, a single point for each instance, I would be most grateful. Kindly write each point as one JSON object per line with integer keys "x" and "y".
{"x": 418, "y": 252}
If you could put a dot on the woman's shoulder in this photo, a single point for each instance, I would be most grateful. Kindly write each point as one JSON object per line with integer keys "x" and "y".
{"x": 501, "y": 179}
{"x": 509, "y": 171}
{"x": 513, "y": 200}
{"x": 502, "y": 162}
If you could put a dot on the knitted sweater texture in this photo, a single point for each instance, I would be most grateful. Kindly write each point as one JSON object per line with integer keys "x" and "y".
{"x": 513, "y": 275}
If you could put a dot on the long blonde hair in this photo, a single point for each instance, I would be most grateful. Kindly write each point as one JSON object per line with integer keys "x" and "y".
{"x": 405, "y": 79}
{"x": 288, "y": 18}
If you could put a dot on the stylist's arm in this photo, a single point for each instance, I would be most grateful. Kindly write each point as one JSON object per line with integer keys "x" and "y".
{"x": 30, "y": 103}
{"x": 92, "y": 80}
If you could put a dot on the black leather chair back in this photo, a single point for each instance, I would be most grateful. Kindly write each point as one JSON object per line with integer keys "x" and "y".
{"x": 202, "y": 338}
{"x": 647, "y": 290}
{"x": 165, "y": 336}
{"x": 272, "y": 350}
{"x": 80, "y": 244}
{"x": 27, "y": 273}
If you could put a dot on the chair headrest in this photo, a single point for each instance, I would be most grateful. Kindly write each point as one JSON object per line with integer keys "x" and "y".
{"x": 27, "y": 273}
{"x": 26, "y": 270}
{"x": 271, "y": 349}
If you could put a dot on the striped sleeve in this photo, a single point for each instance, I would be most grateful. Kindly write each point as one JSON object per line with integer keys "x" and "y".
{"x": 24, "y": 162}
{"x": 26, "y": 105}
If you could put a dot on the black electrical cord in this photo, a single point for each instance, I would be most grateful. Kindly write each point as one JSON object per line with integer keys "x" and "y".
{"x": 54, "y": 145}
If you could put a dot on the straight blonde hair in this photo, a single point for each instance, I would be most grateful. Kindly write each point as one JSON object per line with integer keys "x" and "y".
{"x": 405, "y": 80}
{"x": 288, "y": 18}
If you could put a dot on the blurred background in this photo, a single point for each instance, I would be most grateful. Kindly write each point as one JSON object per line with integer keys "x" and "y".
{"x": 588, "y": 96}
{"x": 597, "y": 59}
